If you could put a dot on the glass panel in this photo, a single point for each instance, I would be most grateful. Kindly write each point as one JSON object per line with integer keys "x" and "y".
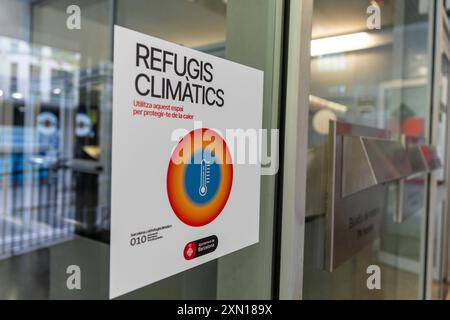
{"x": 375, "y": 78}
{"x": 438, "y": 282}
{"x": 55, "y": 140}
{"x": 442, "y": 119}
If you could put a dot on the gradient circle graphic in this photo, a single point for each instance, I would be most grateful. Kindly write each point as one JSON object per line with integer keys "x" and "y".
{"x": 199, "y": 177}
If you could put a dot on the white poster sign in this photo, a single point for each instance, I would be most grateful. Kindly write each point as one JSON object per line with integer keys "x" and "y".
{"x": 184, "y": 190}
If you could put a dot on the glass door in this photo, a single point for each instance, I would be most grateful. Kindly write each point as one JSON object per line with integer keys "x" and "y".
{"x": 375, "y": 77}
{"x": 439, "y": 210}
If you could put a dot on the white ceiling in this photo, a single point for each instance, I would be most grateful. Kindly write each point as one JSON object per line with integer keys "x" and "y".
{"x": 186, "y": 22}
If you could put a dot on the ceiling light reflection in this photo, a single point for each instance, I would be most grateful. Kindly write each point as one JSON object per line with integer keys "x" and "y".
{"x": 348, "y": 42}
{"x": 323, "y": 103}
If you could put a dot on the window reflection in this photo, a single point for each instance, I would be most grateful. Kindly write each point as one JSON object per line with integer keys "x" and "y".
{"x": 374, "y": 78}
{"x": 55, "y": 111}
{"x": 37, "y": 85}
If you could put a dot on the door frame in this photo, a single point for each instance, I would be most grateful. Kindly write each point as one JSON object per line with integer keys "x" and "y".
{"x": 440, "y": 36}
{"x": 294, "y": 147}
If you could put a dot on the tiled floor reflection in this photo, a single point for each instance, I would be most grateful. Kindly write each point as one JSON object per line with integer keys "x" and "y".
{"x": 25, "y": 276}
{"x": 41, "y": 274}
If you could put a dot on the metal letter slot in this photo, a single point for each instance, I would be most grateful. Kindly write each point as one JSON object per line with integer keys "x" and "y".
{"x": 431, "y": 158}
{"x": 371, "y": 161}
{"x": 361, "y": 160}
{"x": 416, "y": 158}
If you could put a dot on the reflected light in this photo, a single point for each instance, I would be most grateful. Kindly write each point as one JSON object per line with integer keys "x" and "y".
{"x": 57, "y": 91}
{"x": 348, "y": 42}
{"x": 1, "y": 93}
{"x": 323, "y": 103}
{"x": 17, "y": 95}
{"x": 92, "y": 151}
{"x": 37, "y": 160}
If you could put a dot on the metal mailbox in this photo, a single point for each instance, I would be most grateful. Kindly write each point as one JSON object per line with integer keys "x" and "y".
{"x": 361, "y": 161}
